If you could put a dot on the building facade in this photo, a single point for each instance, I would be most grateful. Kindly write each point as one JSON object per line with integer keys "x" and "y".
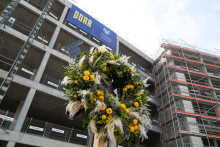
{"x": 32, "y": 110}
{"x": 188, "y": 91}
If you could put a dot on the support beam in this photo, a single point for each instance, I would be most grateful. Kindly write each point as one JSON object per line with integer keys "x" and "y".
{"x": 42, "y": 67}
{"x": 24, "y": 110}
{"x": 11, "y": 144}
{"x": 16, "y": 114}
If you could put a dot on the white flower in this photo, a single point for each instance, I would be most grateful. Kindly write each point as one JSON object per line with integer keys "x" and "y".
{"x": 81, "y": 61}
{"x": 66, "y": 81}
{"x": 83, "y": 93}
{"x": 124, "y": 59}
{"x": 145, "y": 82}
{"x": 91, "y": 50}
{"x": 140, "y": 92}
{"x": 102, "y": 48}
{"x": 91, "y": 60}
{"x": 114, "y": 62}
{"x": 97, "y": 78}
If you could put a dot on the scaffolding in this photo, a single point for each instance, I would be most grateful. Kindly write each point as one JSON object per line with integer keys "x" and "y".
{"x": 187, "y": 89}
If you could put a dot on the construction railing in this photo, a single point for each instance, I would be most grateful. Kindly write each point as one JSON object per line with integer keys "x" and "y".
{"x": 52, "y": 82}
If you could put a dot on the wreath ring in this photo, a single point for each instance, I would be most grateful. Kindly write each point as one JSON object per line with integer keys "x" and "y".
{"x": 89, "y": 82}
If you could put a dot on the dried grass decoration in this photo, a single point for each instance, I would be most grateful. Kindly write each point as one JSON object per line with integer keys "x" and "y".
{"x": 89, "y": 83}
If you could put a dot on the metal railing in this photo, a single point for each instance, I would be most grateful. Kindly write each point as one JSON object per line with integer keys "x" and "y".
{"x": 53, "y": 131}
{"x": 52, "y": 82}
{"x": 6, "y": 119}
{"x": 23, "y": 70}
{"x": 40, "y": 6}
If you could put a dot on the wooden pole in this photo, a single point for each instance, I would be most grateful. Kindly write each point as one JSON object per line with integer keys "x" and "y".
{"x": 99, "y": 142}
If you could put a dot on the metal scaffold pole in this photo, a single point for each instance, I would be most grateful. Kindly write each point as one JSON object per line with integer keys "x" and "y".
{"x": 8, "y": 10}
{"x": 21, "y": 55}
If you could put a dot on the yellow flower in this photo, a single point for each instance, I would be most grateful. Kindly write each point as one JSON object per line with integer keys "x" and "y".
{"x": 109, "y": 111}
{"x": 101, "y": 93}
{"x": 93, "y": 53}
{"x": 131, "y": 86}
{"x": 112, "y": 58}
{"x": 136, "y": 83}
{"x": 94, "y": 99}
{"x": 86, "y": 73}
{"x": 131, "y": 68}
{"x": 101, "y": 98}
{"x": 122, "y": 106}
{"x": 92, "y": 77}
{"x": 135, "y": 132}
{"x": 86, "y": 78}
{"x": 107, "y": 121}
{"x": 135, "y": 121}
{"x": 102, "y": 108}
{"x": 125, "y": 89}
{"x": 131, "y": 129}
{"x": 136, "y": 104}
{"x": 141, "y": 103}
{"x": 115, "y": 130}
{"x": 75, "y": 81}
{"x": 135, "y": 127}
{"x": 77, "y": 72}
{"x": 107, "y": 51}
{"x": 98, "y": 92}
{"x": 104, "y": 69}
{"x": 99, "y": 122}
{"x": 127, "y": 111}
{"x": 100, "y": 51}
{"x": 75, "y": 96}
{"x": 124, "y": 70}
{"x": 138, "y": 74}
{"x": 128, "y": 86}
{"x": 110, "y": 116}
{"x": 103, "y": 117}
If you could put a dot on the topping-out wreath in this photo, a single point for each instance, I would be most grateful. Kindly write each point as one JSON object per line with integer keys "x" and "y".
{"x": 89, "y": 82}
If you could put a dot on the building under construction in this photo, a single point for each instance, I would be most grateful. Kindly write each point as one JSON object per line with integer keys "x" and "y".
{"x": 32, "y": 110}
{"x": 188, "y": 92}
{"x": 184, "y": 90}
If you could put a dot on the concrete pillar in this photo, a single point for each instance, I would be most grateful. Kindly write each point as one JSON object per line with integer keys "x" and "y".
{"x": 62, "y": 17}
{"x": 54, "y": 37}
{"x": 42, "y": 67}
{"x": 16, "y": 114}
{"x": 57, "y": 30}
{"x": 24, "y": 110}
{"x": 11, "y": 144}
{"x": 110, "y": 144}
{"x": 137, "y": 142}
{"x": 117, "y": 47}
{"x": 90, "y": 139}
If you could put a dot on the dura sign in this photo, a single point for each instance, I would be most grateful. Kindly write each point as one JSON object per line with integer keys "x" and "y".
{"x": 87, "y": 23}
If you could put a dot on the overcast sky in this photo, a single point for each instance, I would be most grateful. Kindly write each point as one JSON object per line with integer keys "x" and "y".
{"x": 145, "y": 22}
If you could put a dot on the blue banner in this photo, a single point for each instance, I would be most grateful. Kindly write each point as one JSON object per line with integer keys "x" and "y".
{"x": 87, "y": 23}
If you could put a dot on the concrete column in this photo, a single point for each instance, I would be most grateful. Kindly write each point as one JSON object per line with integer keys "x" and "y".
{"x": 110, "y": 144}
{"x": 117, "y": 47}
{"x": 62, "y": 17}
{"x": 16, "y": 114}
{"x": 24, "y": 110}
{"x": 42, "y": 67}
{"x": 90, "y": 139}
{"x": 137, "y": 142}
{"x": 54, "y": 37}
{"x": 11, "y": 144}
